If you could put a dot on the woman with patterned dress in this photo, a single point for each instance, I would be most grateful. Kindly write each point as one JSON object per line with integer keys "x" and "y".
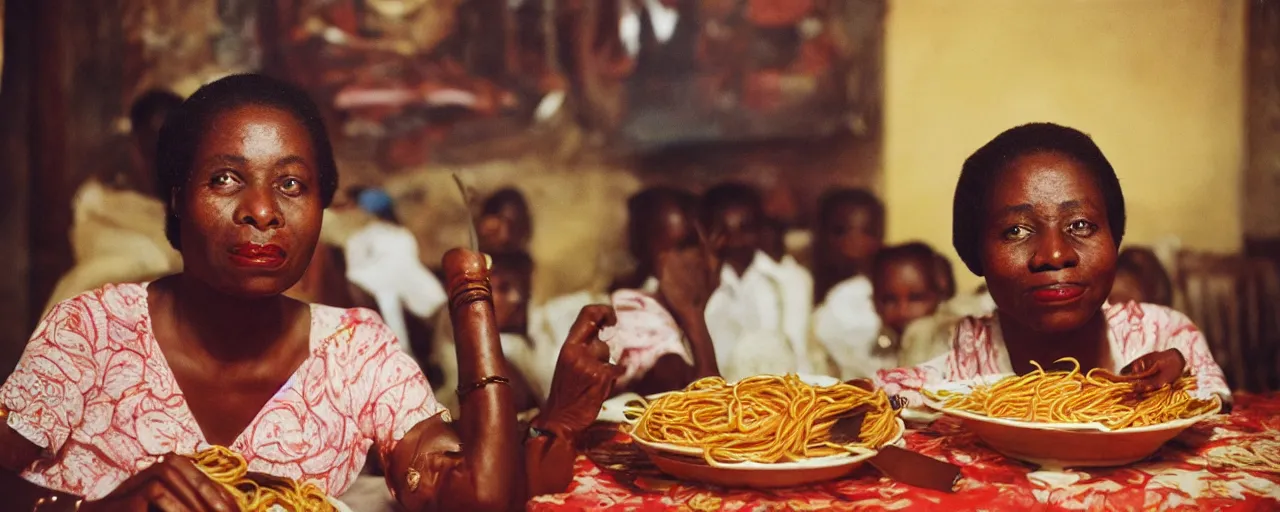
{"x": 119, "y": 385}
{"x": 1040, "y": 215}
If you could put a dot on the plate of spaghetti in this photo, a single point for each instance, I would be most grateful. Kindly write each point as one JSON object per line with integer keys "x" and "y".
{"x": 1069, "y": 418}
{"x": 763, "y": 431}
{"x": 257, "y": 492}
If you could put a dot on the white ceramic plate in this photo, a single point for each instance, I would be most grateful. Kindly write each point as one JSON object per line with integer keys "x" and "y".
{"x": 830, "y": 461}
{"x": 968, "y": 385}
{"x": 1062, "y": 445}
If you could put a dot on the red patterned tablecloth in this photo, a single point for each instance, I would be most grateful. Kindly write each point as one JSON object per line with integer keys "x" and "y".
{"x": 1186, "y": 474}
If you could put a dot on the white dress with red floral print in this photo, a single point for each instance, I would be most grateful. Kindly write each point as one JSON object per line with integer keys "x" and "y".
{"x": 1134, "y": 330}
{"x": 94, "y": 390}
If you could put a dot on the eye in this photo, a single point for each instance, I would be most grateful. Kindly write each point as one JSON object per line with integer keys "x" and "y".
{"x": 223, "y": 179}
{"x": 1082, "y": 228}
{"x": 1016, "y": 233}
{"x": 292, "y": 186}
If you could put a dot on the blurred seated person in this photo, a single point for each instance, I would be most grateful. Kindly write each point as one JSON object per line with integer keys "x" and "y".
{"x": 847, "y": 235}
{"x": 905, "y": 289}
{"x": 849, "y": 232}
{"x": 928, "y": 337}
{"x": 505, "y": 223}
{"x": 748, "y": 313}
{"x": 661, "y": 338}
{"x": 382, "y": 259}
{"x": 1141, "y": 278}
{"x": 145, "y": 375}
{"x": 117, "y": 232}
{"x": 659, "y": 219}
{"x": 1039, "y": 214}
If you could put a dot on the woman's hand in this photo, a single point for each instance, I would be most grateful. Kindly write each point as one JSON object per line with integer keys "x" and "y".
{"x": 174, "y": 484}
{"x": 1152, "y": 371}
{"x": 583, "y": 378}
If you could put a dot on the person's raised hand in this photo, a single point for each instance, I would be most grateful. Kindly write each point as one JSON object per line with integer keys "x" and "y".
{"x": 687, "y": 276}
{"x": 584, "y": 376}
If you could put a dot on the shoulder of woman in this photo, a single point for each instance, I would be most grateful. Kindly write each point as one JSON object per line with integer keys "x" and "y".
{"x": 350, "y": 325}
{"x": 126, "y": 301}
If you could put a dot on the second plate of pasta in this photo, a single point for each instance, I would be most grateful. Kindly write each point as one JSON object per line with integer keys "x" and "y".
{"x": 763, "y": 431}
{"x": 1058, "y": 419}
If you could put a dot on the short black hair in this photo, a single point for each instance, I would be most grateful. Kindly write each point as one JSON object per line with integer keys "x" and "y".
{"x": 855, "y": 197}
{"x": 915, "y": 252}
{"x": 152, "y": 105}
{"x": 982, "y": 169}
{"x": 186, "y": 126}
{"x": 643, "y": 206}
{"x": 727, "y": 195}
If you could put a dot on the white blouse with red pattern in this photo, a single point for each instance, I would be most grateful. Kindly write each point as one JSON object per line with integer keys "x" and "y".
{"x": 93, "y": 389}
{"x": 1134, "y": 330}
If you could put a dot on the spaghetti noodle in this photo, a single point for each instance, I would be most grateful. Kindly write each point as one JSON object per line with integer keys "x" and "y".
{"x": 256, "y": 492}
{"x": 1074, "y": 397}
{"x": 765, "y": 419}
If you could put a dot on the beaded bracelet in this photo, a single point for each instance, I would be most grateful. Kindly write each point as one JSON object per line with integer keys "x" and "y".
{"x": 493, "y": 379}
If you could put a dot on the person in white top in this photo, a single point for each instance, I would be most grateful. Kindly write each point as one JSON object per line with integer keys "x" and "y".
{"x": 746, "y": 315}
{"x": 848, "y": 234}
{"x": 382, "y": 259}
{"x": 796, "y": 284}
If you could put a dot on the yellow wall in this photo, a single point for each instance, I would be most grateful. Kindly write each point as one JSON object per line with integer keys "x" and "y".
{"x": 1159, "y": 84}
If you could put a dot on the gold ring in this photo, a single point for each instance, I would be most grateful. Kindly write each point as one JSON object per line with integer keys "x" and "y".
{"x": 412, "y": 478}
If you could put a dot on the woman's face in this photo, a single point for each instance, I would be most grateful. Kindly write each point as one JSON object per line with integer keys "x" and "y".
{"x": 250, "y": 212}
{"x": 1047, "y": 252}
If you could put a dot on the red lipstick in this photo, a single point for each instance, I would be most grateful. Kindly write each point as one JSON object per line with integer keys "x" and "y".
{"x": 260, "y": 256}
{"x": 1056, "y": 293}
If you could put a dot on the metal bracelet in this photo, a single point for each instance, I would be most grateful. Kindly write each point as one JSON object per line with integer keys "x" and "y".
{"x": 493, "y": 379}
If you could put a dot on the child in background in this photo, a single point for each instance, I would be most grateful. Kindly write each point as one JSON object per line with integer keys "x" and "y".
{"x": 1141, "y": 278}
{"x": 849, "y": 232}
{"x": 929, "y": 337}
{"x": 746, "y": 314}
{"x": 906, "y": 288}
{"x": 847, "y": 235}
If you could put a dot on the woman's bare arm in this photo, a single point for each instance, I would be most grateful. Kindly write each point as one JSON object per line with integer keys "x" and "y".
{"x": 474, "y": 467}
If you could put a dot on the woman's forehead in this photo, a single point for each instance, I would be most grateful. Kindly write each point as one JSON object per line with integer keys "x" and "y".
{"x": 1044, "y": 179}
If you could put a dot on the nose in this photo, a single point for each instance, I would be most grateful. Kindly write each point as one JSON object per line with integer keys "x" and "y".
{"x": 1054, "y": 252}
{"x": 259, "y": 209}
